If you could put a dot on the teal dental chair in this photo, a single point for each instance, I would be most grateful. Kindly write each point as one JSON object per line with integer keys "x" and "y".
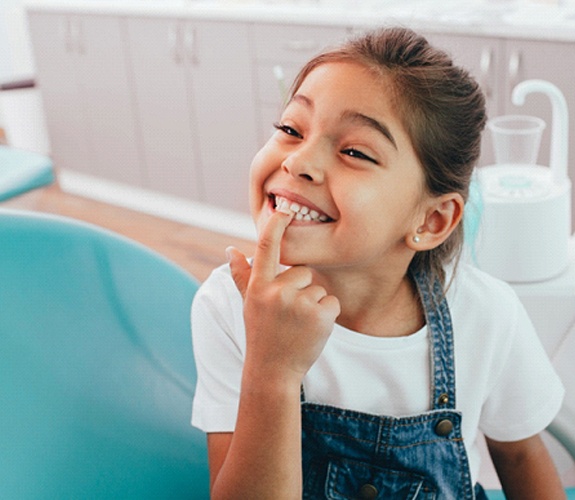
{"x": 96, "y": 367}
{"x": 22, "y": 171}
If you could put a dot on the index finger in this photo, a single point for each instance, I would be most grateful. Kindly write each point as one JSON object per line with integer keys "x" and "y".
{"x": 267, "y": 253}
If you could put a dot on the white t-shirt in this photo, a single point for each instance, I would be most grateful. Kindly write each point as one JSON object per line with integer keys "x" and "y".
{"x": 506, "y": 386}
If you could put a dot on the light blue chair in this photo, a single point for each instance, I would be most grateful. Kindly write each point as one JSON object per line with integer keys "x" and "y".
{"x": 22, "y": 171}
{"x": 96, "y": 367}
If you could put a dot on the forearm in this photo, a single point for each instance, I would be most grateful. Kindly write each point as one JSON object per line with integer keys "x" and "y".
{"x": 264, "y": 457}
{"x": 526, "y": 470}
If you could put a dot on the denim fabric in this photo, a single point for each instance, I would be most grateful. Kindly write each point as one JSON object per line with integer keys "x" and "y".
{"x": 349, "y": 454}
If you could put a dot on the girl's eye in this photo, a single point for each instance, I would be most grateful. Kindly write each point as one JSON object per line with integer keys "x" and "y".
{"x": 288, "y": 130}
{"x": 354, "y": 153}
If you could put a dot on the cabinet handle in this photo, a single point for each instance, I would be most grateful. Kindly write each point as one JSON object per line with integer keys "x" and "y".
{"x": 485, "y": 65}
{"x": 175, "y": 45}
{"x": 280, "y": 77}
{"x": 514, "y": 68}
{"x": 65, "y": 33}
{"x": 190, "y": 44}
{"x": 301, "y": 45}
{"x": 72, "y": 35}
{"x": 79, "y": 38}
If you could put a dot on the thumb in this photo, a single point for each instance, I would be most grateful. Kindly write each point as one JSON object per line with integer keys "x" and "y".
{"x": 240, "y": 268}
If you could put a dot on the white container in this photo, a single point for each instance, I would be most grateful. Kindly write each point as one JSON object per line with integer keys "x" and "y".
{"x": 524, "y": 230}
{"x": 526, "y": 220}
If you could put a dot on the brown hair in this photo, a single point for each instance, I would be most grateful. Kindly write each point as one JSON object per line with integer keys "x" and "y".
{"x": 441, "y": 107}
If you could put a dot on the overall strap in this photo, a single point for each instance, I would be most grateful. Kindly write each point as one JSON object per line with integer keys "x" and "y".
{"x": 440, "y": 331}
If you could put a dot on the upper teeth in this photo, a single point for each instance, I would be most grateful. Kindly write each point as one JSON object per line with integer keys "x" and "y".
{"x": 301, "y": 211}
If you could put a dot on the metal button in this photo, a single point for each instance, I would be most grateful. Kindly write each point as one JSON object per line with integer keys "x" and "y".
{"x": 443, "y": 399}
{"x": 444, "y": 427}
{"x": 368, "y": 492}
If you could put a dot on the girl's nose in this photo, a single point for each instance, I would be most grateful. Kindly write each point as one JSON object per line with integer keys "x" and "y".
{"x": 305, "y": 164}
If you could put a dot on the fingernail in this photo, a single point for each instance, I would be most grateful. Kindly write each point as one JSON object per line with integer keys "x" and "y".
{"x": 229, "y": 253}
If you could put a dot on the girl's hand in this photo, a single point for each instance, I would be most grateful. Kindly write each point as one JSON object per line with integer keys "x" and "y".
{"x": 288, "y": 319}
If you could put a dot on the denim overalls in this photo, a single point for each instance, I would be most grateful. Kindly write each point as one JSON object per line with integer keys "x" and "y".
{"x": 349, "y": 455}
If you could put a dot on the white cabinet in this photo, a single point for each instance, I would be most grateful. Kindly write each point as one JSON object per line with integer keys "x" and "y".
{"x": 482, "y": 58}
{"x": 500, "y": 64}
{"x": 280, "y": 51}
{"x": 194, "y": 97}
{"x": 83, "y": 77}
{"x": 181, "y": 104}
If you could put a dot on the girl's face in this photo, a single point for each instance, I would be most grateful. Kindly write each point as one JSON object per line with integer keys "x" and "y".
{"x": 342, "y": 158}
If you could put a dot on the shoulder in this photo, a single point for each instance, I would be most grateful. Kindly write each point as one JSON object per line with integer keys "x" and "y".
{"x": 218, "y": 301}
{"x": 474, "y": 291}
{"x": 218, "y": 286}
{"x": 487, "y": 314}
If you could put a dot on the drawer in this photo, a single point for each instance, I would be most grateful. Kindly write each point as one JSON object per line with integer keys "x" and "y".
{"x": 293, "y": 43}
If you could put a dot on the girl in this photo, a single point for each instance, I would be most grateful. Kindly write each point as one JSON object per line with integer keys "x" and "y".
{"x": 350, "y": 360}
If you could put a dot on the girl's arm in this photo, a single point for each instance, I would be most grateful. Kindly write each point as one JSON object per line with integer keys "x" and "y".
{"x": 525, "y": 469}
{"x": 287, "y": 321}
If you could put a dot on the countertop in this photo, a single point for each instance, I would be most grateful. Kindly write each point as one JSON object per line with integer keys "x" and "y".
{"x": 500, "y": 18}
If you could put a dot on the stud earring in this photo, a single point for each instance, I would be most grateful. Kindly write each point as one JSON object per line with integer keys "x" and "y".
{"x": 416, "y": 239}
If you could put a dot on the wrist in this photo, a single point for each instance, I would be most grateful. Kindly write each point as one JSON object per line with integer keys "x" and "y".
{"x": 274, "y": 381}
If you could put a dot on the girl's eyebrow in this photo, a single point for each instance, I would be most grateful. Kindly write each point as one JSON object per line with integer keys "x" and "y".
{"x": 368, "y": 121}
{"x": 352, "y": 116}
{"x": 302, "y": 99}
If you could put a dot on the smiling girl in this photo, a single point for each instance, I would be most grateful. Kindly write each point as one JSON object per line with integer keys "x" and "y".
{"x": 350, "y": 359}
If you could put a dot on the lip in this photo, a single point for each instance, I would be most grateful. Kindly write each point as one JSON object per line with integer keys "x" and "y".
{"x": 301, "y": 200}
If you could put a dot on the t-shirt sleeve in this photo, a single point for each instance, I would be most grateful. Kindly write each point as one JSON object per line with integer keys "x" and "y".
{"x": 526, "y": 392}
{"x": 219, "y": 343}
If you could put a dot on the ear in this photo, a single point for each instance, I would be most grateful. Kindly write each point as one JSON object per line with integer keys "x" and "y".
{"x": 442, "y": 216}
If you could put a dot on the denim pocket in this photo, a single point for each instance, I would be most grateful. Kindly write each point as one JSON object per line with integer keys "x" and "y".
{"x": 348, "y": 479}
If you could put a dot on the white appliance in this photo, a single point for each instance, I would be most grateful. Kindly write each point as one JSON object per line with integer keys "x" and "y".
{"x": 526, "y": 208}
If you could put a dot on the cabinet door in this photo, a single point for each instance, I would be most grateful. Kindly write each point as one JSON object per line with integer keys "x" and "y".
{"x": 225, "y": 109}
{"x": 482, "y": 58}
{"x": 83, "y": 78}
{"x": 163, "y": 100}
{"x": 54, "y": 40}
{"x": 104, "y": 80}
{"x": 280, "y": 51}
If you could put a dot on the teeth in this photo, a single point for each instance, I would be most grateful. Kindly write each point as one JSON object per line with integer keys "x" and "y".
{"x": 301, "y": 211}
{"x": 282, "y": 205}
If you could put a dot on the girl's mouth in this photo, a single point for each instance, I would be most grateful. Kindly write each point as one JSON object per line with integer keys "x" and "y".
{"x": 301, "y": 211}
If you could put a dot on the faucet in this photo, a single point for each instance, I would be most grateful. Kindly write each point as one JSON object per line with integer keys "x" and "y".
{"x": 558, "y": 158}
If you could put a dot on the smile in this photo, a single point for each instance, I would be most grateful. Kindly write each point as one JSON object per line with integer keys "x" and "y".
{"x": 302, "y": 212}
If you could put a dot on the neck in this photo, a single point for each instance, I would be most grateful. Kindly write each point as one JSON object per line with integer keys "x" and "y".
{"x": 383, "y": 305}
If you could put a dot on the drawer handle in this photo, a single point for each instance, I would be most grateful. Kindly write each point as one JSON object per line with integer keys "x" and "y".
{"x": 72, "y": 34}
{"x": 301, "y": 45}
{"x": 514, "y": 68}
{"x": 486, "y": 65}
{"x": 191, "y": 45}
{"x": 280, "y": 77}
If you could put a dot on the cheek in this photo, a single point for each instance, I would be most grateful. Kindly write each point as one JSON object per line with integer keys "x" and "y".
{"x": 257, "y": 178}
